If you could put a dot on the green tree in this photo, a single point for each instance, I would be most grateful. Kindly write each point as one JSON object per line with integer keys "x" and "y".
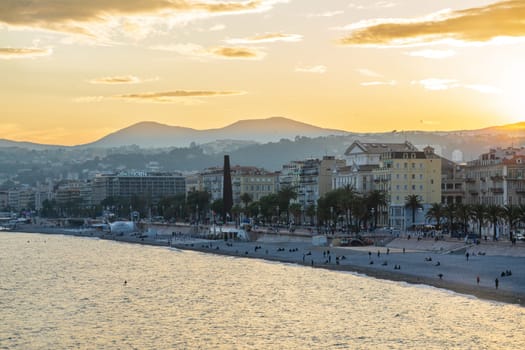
{"x": 450, "y": 213}
{"x": 511, "y": 214}
{"x": 345, "y": 198}
{"x": 268, "y": 205}
{"x": 494, "y": 214}
{"x": 246, "y": 199}
{"x": 198, "y": 202}
{"x": 49, "y": 209}
{"x": 169, "y": 207}
{"x": 375, "y": 200}
{"x": 310, "y": 212}
{"x": 413, "y": 202}
{"x": 478, "y": 213}
{"x": 236, "y": 211}
{"x": 296, "y": 210}
{"x": 285, "y": 195}
{"x": 463, "y": 213}
{"x": 360, "y": 212}
{"x": 435, "y": 212}
{"x": 217, "y": 206}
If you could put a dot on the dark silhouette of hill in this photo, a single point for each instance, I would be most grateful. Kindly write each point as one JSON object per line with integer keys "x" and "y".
{"x": 156, "y": 135}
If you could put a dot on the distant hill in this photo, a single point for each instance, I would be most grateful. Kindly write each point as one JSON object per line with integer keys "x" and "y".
{"x": 262, "y": 142}
{"x": 156, "y": 135}
{"x": 27, "y": 145}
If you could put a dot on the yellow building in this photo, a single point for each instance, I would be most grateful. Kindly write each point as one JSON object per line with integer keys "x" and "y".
{"x": 406, "y": 173}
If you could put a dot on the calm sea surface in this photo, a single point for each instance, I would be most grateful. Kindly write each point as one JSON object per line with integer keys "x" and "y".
{"x": 59, "y": 292}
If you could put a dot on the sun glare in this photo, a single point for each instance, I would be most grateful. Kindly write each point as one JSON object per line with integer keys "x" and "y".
{"x": 513, "y": 97}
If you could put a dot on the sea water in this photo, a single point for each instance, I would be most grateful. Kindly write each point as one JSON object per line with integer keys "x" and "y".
{"x": 61, "y": 292}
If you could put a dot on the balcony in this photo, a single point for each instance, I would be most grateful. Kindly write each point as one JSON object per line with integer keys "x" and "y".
{"x": 496, "y": 178}
{"x": 497, "y": 190}
{"x": 473, "y": 192}
{"x": 470, "y": 180}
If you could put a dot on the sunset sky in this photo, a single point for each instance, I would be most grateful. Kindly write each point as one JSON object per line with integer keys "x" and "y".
{"x": 73, "y": 71}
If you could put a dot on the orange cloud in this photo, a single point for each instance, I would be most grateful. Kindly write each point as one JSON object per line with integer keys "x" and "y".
{"x": 127, "y": 79}
{"x": 267, "y": 38}
{"x": 173, "y": 96}
{"x": 480, "y": 24}
{"x": 236, "y": 52}
{"x": 79, "y": 17}
{"x": 8, "y": 53}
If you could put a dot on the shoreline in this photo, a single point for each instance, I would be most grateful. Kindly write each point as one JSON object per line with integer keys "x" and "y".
{"x": 357, "y": 261}
{"x": 481, "y": 292}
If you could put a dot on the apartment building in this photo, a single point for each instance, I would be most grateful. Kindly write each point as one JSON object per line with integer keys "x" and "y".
{"x": 141, "y": 183}
{"x": 404, "y": 173}
{"x": 316, "y": 178}
{"x": 254, "y": 181}
{"x": 496, "y": 177}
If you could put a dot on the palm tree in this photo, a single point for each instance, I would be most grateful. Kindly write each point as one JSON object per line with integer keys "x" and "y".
{"x": 296, "y": 210}
{"x": 246, "y": 199}
{"x": 494, "y": 213}
{"x": 285, "y": 195}
{"x": 310, "y": 212}
{"x": 359, "y": 212}
{"x": 436, "y": 211}
{"x": 450, "y": 212}
{"x": 413, "y": 202}
{"x": 511, "y": 213}
{"x": 345, "y": 197}
{"x": 375, "y": 200}
{"x": 478, "y": 213}
{"x": 463, "y": 214}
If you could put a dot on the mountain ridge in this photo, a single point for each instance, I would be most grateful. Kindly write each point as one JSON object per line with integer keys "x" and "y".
{"x": 151, "y": 134}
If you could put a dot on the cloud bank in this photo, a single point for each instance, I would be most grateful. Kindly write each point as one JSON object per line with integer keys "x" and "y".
{"x": 96, "y": 17}
{"x": 480, "y": 24}
{"x": 176, "y": 96}
{"x": 126, "y": 79}
{"x": 8, "y": 53}
{"x": 267, "y": 38}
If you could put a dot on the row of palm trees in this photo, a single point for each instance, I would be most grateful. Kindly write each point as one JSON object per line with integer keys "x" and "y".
{"x": 457, "y": 214}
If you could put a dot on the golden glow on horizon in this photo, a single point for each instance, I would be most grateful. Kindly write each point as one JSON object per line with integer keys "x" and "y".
{"x": 72, "y": 75}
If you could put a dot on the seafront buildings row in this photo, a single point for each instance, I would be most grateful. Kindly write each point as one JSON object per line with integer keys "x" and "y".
{"x": 399, "y": 169}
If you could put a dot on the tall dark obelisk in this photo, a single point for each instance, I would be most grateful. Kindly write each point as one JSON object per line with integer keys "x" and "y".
{"x": 227, "y": 194}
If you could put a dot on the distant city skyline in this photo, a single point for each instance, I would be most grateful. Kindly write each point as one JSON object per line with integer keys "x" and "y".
{"x": 73, "y": 74}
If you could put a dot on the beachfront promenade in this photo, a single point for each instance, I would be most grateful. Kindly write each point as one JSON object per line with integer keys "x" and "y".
{"x": 443, "y": 263}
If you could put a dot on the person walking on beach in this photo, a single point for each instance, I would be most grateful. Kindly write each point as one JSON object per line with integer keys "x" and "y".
{"x": 477, "y": 280}
{"x": 467, "y": 255}
{"x": 496, "y": 282}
